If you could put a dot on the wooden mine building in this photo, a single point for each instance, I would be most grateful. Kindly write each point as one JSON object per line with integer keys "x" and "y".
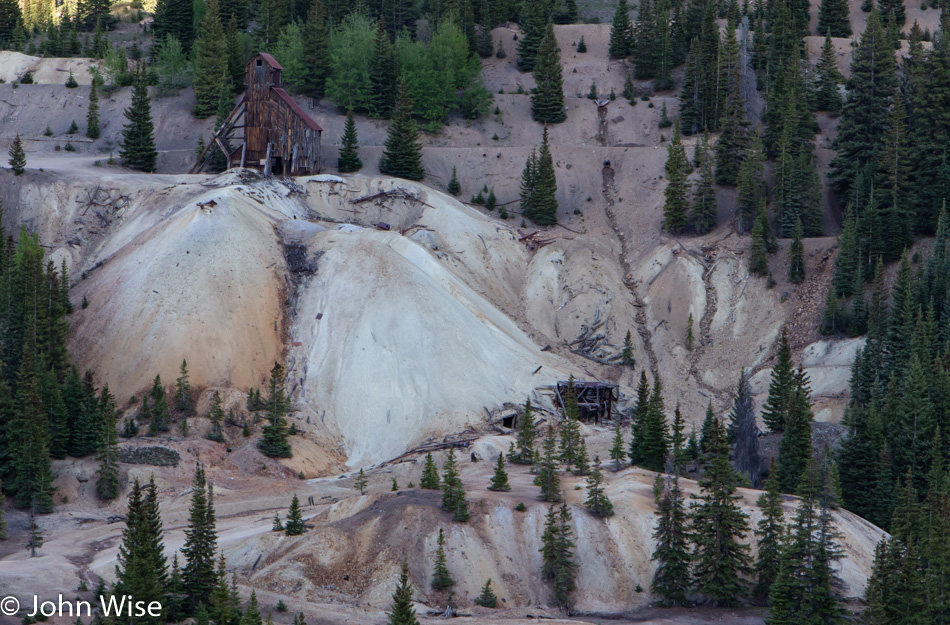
{"x": 277, "y": 136}
{"x": 594, "y": 399}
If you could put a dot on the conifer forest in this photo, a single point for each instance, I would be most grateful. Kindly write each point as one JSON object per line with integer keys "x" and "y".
{"x": 398, "y": 311}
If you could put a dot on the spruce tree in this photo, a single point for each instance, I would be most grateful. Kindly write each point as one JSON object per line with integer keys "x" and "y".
{"x": 621, "y": 33}
{"x": 675, "y": 205}
{"x": 294, "y": 525}
{"x": 533, "y": 19}
{"x": 559, "y": 566}
{"x": 744, "y": 432}
{"x": 402, "y": 156}
{"x": 361, "y": 481}
{"x": 721, "y": 560}
{"x": 137, "y": 148}
{"x": 17, "y": 156}
{"x": 827, "y": 97}
{"x": 142, "y": 569}
{"x": 441, "y": 578}
{"x": 655, "y": 441}
{"x": 627, "y": 358}
{"x": 403, "y": 612}
{"x": 547, "y": 98}
{"x": 382, "y": 76}
{"x": 796, "y": 255}
{"x": 453, "y": 493}
{"x": 349, "y": 152}
{"x": 758, "y": 263}
{"x": 547, "y": 477}
{"x": 597, "y": 501}
{"x": 487, "y": 598}
{"x": 430, "y": 474}
{"x": 638, "y": 417}
{"x": 32, "y": 478}
{"x": 92, "y": 116}
{"x": 529, "y": 179}
{"x": 617, "y": 453}
{"x": 834, "y": 18}
{"x": 751, "y": 186}
{"x": 35, "y": 535}
{"x": 210, "y": 62}
{"x": 316, "y": 49}
{"x": 795, "y": 447}
{"x": 671, "y": 579}
{"x": 184, "y": 401}
{"x": 704, "y": 210}
{"x": 781, "y": 387}
{"x": 770, "y": 534}
{"x": 524, "y": 443}
{"x": 201, "y": 542}
{"x": 570, "y": 427}
{"x": 273, "y": 441}
{"x": 543, "y": 201}
{"x": 499, "y": 480}
{"x": 455, "y": 187}
{"x": 107, "y": 475}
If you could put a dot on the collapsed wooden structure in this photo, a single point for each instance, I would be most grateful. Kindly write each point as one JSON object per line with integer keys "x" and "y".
{"x": 595, "y": 400}
{"x": 277, "y": 136}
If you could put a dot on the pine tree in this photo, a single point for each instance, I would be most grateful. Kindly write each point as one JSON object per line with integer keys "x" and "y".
{"x": 361, "y": 481}
{"x": 487, "y": 599}
{"x": 671, "y": 579}
{"x": 796, "y": 255}
{"x": 529, "y": 179}
{"x": 533, "y": 19}
{"x": 403, "y": 612}
{"x": 557, "y": 554}
{"x": 704, "y": 210}
{"x": 252, "y": 615}
{"x": 621, "y": 33}
{"x": 273, "y": 441}
{"x": 781, "y": 388}
{"x": 216, "y": 417}
{"x": 316, "y": 47}
{"x": 158, "y": 421}
{"x": 655, "y": 441}
{"x": 349, "y": 155}
{"x": 626, "y": 356}
{"x": 138, "y": 142}
{"x": 570, "y": 427}
{"x": 455, "y": 187}
{"x": 795, "y": 447}
{"x": 597, "y": 501}
{"x": 721, "y": 560}
{"x": 770, "y": 534}
{"x": 294, "y": 525}
{"x": 210, "y": 62}
{"x": 441, "y": 578}
{"x": 617, "y": 453}
{"x": 32, "y": 476}
{"x": 547, "y": 477}
{"x": 744, "y": 432}
{"x": 430, "y": 474}
{"x": 751, "y": 186}
{"x": 827, "y": 97}
{"x": 201, "y": 542}
{"x": 92, "y": 116}
{"x": 183, "y": 399}
{"x": 277, "y": 525}
{"x": 675, "y": 204}
{"x": 543, "y": 200}
{"x": 17, "y": 156}
{"x": 547, "y": 98}
{"x": 834, "y": 18}
{"x": 107, "y": 475}
{"x": 402, "y": 156}
{"x": 638, "y": 417}
{"x": 382, "y": 76}
{"x": 35, "y": 540}
{"x": 499, "y": 480}
{"x": 142, "y": 569}
{"x": 524, "y": 444}
{"x": 453, "y": 493}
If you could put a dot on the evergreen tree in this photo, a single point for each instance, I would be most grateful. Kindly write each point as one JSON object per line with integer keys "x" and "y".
{"x": 524, "y": 443}
{"x": 183, "y": 398}
{"x": 597, "y": 501}
{"x": 827, "y": 97}
{"x": 33, "y": 478}
{"x": 864, "y": 467}
{"x": 543, "y": 200}
{"x": 638, "y": 417}
{"x": 349, "y": 155}
{"x": 643, "y": 40}
{"x": 142, "y": 569}
{"x": 834, "y": 19}
{"x": 402, "y": 156}
{"x": 751, "y": 187}
{"x": 201, "y": 542}
{"x": 663, "y": 52}
{"x": 721, "y": 560}
{"x": 453, "y": 493}
{"x": 138, "y": 142}
{"x": 499, "y": 480}
{"x": 671, "y": 579}
{"x": 547, "y": 477}
{"x": 621, "y": 33}
{"x": 557, "y": 554}
{"x": 17, "y": 156}
{"x": 744, "y": 433}
{"x": 215, "y": 416}
{"x": 758, "y": 263}
{"x": 617, "y": 453}
{"x": 361, "y": 481}
{"x": 176, "y": 18}
{"x": 655, "y": 442}
{"x": 455, "y": 187}
{"x": 35, "y": 540}
{"x": 441, "y": 578}
{"x": 704, "y": 210}
{"x": 675, "y": 204}
{"x": 529, "y": 179}
{"x": 487, "y": 599}
{"x": 547, "y": 98}
{"x": 796, "y": 255}
{"x": 533, "y": 20}
{"x": 107, "y": 475}
{"x": 92, "y": 116}
{"x": 10, "y": 18}
{"x": 770, "y": 533}
{"x": 316, "y": 47}
{"x": 278, "y": 525}
{"x": 626, "y": 356}
{"x": 403, "y": 612}
{"x": 795, "y": 447}
{"x": 430, "y": 474}
{"x": 382, "y": 76}
{"x": 570, "y": 427}
{"x": 781, "y": 387}
{"x": 273, "y": 441}
{"x": 210, "y": 62}
{"x": 294, "y": 525}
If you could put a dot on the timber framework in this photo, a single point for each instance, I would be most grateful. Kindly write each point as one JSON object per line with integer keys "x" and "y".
{"x": 266, "y": 130}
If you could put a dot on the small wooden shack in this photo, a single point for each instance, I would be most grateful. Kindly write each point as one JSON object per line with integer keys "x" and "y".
{"x": 277, "y": 136}
{"x": 595, "y": 400}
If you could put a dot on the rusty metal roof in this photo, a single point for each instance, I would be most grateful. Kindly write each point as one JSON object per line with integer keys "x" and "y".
{"x": 283, "y": 95}
{"x": 270, "y": 60}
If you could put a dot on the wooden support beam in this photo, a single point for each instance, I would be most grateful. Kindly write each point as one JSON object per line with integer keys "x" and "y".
{"x": 267, "y": 168}
{"x": 243, "y": 154}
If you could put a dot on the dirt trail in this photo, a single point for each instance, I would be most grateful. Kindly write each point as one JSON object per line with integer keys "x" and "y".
{"x": 628, "y": 281}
